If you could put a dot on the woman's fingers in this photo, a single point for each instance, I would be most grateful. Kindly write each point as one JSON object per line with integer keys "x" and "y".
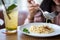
{"x": 29, "y": 1}
{"x": 33, "y": 5}
{"x": 33, "y": 8}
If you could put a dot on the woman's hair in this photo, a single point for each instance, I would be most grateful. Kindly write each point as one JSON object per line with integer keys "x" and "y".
{"x": 46, "y": 5}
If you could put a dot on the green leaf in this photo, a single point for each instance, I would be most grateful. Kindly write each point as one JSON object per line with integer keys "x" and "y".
{"x": 11, "y": 7}
{"x": 26, "y": 30}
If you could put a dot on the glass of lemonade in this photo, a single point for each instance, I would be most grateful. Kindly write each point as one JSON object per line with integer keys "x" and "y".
{"x": 12, "y": 23}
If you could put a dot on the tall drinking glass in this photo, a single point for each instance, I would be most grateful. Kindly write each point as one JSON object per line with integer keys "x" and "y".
{"x": 12, "y": 23}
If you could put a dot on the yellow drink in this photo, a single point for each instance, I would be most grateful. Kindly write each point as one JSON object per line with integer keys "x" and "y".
{"x": 11, "y": 24}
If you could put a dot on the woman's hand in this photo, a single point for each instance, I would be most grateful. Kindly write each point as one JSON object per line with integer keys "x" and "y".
{"x": 35, "y": 14}
{"x": 33, "y": 7}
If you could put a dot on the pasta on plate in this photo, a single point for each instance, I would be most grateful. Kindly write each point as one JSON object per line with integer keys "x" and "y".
{"x": 41, "y": 29}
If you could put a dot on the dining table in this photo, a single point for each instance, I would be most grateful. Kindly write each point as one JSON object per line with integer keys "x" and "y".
{"x": 20, "y": 36}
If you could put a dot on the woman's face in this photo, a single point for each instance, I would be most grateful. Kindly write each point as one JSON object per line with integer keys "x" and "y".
{"x": 57, "y": 2}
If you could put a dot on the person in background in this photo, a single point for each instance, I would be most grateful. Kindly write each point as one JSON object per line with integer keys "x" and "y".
{"x": 51, "y": 6}
{"x": 47, "y": 5}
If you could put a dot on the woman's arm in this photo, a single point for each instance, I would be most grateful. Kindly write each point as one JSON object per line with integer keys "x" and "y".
{"x": 33, "y": 7}
{"x": 39, "y": 17}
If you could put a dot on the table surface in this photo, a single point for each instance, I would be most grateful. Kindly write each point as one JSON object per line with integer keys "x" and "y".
{"x": 20, "y": 36}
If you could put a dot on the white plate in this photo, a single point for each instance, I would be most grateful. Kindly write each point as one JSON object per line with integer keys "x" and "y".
{"x": 55, "y": 27}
